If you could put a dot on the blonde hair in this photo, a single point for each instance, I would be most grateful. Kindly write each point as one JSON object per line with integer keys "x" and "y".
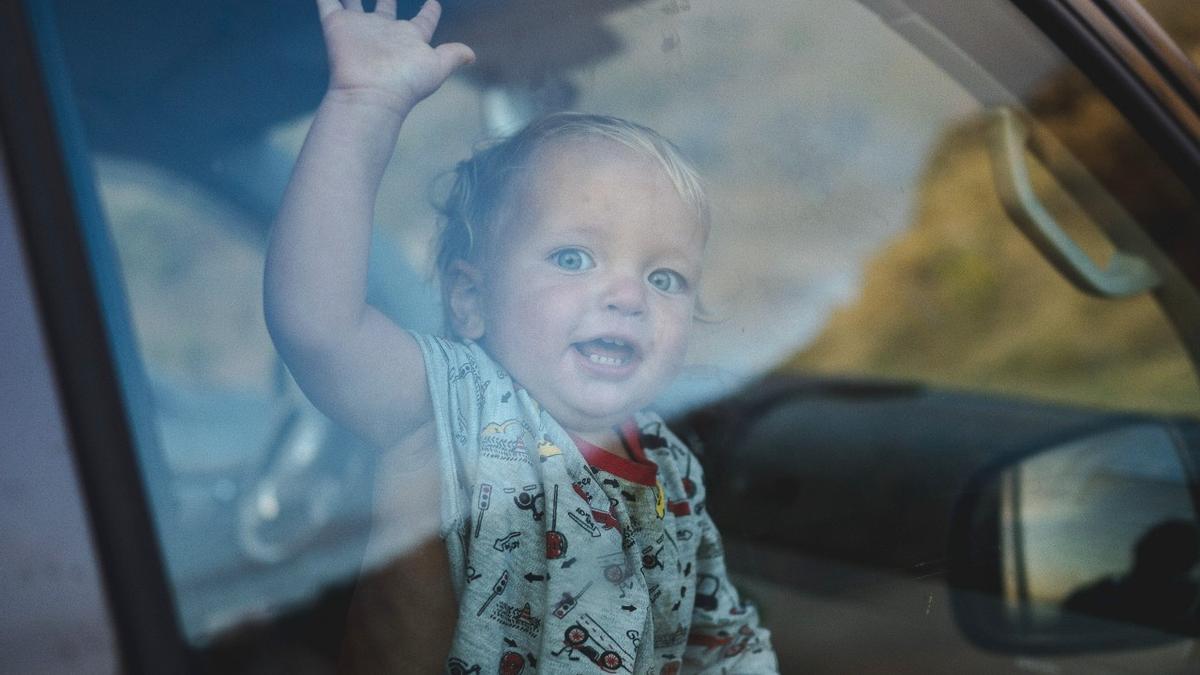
{"x": 483, "y": 183}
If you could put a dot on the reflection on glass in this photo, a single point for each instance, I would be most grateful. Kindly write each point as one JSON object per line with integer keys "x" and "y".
{"x": 1160, "y": 590}
{"x": 1105, "y": 526}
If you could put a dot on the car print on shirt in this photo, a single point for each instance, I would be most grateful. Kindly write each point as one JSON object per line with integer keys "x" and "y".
{"x": 589, "y": 639}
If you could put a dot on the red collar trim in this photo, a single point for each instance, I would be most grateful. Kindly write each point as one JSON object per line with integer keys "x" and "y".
{"x": 638, "y": 470}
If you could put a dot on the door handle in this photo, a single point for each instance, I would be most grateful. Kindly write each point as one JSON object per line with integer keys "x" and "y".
{"x": 1126, "y": 275}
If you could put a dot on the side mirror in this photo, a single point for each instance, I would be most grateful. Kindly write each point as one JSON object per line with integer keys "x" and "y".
{"x": 1088, "y": 545}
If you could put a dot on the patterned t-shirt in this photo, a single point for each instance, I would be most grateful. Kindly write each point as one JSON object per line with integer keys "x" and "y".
{"x": 566, "y": 558}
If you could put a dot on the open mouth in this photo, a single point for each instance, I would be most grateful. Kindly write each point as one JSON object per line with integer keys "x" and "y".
{"x": 606, "y": 351}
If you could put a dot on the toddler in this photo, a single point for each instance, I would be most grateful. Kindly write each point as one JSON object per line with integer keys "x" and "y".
{"x": 571, "y": 521}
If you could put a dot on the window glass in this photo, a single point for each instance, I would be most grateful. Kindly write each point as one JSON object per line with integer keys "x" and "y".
{"x": 861, "y": 255}
{"x": 963, "y": 299}
{"x": 178, "y": 247}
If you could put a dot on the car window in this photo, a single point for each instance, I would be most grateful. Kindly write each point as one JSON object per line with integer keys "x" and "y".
{"x": 179, "y": 247}
{"x": 963, "y": 299}
{"x": 873, "y": 299}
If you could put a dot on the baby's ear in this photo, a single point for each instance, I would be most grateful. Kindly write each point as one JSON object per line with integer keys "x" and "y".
{"x": 466, "y": 305}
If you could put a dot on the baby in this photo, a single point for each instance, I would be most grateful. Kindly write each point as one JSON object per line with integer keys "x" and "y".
{"x": 571, "y": 522}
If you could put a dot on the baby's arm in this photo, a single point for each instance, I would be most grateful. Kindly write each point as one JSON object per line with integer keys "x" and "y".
{"x": 726, "y": 635}
{"x": 356, "y": 365}
{"x": 729, "y": 638}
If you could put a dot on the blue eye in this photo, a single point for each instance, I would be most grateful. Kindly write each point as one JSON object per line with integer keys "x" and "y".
{"x": 667, "y": 281}
{"x": 572, "y": 259}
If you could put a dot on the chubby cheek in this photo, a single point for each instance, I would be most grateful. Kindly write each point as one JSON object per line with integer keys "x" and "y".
{"x": 553, "y": 307}
{"x": 672, "y": 338}
{"x": 534, "y": 320}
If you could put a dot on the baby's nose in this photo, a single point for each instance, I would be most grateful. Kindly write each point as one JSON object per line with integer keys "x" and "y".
{"x": 625, "y": 294}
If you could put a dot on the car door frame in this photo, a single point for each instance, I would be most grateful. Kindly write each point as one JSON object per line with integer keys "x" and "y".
{"x": 44, "y": 178}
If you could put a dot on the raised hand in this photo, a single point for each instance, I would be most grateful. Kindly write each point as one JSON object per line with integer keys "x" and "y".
{"x": 376, "y": 59}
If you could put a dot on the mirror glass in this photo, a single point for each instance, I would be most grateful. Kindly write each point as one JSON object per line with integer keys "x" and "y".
{"x": 1098, "y": 537}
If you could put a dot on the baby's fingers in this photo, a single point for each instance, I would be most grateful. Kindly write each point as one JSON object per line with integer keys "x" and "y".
{"x": 386, "y": 8}
{"x": 426, "y": 20}
{"x": 327, "y": 7}
{"x": 454, "y": 54}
